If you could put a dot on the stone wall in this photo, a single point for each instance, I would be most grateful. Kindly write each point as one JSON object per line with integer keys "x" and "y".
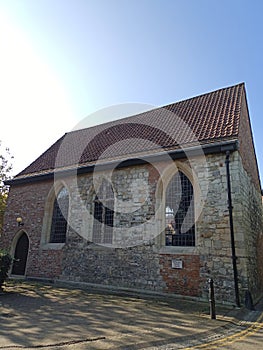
{"x": 214, "y": 244}
{"x": 249, "y": 206}
{"x": 214, "y": 230}
{"x": 138, "y": 257}
{"x": 249, "y": 226}
{"x": 246, "y": 146}
{"x": 131, "y": 267}
{"x": 133, "y": 260}
{"x": 259, "y": 267}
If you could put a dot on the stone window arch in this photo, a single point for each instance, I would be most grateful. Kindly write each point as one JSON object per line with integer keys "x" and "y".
{"x": 103, "y": 214}
{"x": 179, "y": 211}
{"x": 59, "y": 221}
{"x": 55, "y": 221}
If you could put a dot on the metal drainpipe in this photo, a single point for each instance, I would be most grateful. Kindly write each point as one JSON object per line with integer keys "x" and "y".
{"x": 230, "y": 209}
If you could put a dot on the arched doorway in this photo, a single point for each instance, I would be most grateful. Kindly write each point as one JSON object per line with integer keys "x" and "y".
{"x": 20, "y": 256}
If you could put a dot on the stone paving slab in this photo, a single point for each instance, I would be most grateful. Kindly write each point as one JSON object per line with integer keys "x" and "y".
{"x": 35, "y": 315}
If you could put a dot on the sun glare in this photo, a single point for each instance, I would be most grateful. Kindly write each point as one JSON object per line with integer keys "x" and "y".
{"x": 33, "y": 101}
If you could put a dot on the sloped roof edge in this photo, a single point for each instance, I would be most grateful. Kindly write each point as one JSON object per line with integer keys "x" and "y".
{"x": 207, "y": 118}
{"x": 218, "y": 147}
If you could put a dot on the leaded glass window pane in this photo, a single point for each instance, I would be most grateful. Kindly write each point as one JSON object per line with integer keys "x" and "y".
{"x": 59, "y": 217}
{"x": 179, "y": 212}
{"x": 103, "y": 214}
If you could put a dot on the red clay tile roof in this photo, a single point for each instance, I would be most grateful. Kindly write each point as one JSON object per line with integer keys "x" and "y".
{"x": 206, "y": 118}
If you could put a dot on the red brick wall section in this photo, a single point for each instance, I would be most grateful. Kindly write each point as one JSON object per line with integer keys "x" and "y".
{"x": 28, "y": 201}
{"x": 185, "y": 281}
{"x": 45, "y": 264}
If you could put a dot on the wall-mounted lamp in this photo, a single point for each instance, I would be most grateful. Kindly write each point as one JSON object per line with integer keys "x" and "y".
{"x": 19, "y": 221}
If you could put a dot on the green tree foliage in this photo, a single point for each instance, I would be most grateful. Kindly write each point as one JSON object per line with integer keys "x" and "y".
{"x": 5, "y": 263}
{"x": 5, "y": 174}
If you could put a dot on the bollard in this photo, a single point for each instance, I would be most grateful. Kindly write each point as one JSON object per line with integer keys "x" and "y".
{"x": 212, "y": 299}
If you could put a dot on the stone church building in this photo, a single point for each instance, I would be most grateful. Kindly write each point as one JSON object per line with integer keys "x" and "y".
{"x": 160, "y": 201}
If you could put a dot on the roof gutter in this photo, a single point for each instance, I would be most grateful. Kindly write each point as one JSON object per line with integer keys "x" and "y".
{"x": 219, "y": 147}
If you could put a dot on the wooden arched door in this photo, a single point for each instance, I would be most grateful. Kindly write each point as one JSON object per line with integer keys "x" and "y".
{"x": 20, "y": 258}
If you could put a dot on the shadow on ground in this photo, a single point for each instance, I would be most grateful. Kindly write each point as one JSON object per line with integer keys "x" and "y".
{"x": 40, "y": 315}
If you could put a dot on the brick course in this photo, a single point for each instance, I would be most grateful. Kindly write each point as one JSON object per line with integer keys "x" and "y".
{"x": 185, "y": 280}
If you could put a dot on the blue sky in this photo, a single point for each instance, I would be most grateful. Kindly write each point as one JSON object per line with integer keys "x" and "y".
{"x": 64, "y": 59}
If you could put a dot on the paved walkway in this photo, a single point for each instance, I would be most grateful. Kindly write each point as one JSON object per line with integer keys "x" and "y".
{"x": 45, "y": 316}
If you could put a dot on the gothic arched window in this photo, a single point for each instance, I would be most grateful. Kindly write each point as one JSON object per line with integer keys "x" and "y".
{"x": 59, "y": 217}
{"x": 103, "y": 214}
{"x": 179, "y": 212}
